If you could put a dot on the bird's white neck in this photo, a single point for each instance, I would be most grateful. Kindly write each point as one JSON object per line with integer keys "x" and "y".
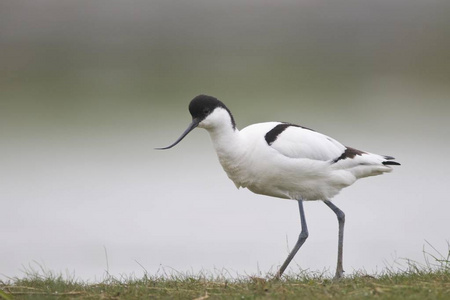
{"x": 224, "y": 135}
{"x": 226, "y": 139}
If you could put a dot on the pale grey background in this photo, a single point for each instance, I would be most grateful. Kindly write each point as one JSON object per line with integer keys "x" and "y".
{"x": 89, "y": 88}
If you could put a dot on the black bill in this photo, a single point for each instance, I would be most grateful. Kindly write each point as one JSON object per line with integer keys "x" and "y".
{"x": 185, "y": 133}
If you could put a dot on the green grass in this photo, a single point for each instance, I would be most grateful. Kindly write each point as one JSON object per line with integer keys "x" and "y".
{"x": 419, "y": 285}
{"x": 415, "y": 281}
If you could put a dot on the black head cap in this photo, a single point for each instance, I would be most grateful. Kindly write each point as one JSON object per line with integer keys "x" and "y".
{"x": 203, "y": 105}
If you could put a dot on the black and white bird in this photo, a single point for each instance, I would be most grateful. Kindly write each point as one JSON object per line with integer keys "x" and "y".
{"x": 286, "y": 161}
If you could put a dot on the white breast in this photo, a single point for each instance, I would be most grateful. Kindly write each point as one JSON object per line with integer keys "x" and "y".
{"x": 297, "y": 164}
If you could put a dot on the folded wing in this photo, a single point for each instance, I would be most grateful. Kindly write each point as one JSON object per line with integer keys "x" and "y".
{"x": 299, "y": 142}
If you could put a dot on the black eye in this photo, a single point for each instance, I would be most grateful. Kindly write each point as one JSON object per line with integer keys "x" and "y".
{"x": 206, "y": 111}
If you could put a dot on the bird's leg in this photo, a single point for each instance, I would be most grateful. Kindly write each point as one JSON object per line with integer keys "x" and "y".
{"x": 301, "y": 239}
{"x": 341, "y": 220}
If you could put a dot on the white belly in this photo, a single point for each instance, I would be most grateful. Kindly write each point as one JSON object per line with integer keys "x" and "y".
{"x": 288, "y": 178}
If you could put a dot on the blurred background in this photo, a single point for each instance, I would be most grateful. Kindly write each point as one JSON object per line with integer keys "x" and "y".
{"x": 89, "y": 88}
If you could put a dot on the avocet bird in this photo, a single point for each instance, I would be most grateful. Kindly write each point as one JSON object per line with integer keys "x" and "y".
{"x": 286, "y": 161}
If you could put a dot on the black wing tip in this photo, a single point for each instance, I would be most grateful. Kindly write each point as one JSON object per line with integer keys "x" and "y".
{"x": 389, "y": 161}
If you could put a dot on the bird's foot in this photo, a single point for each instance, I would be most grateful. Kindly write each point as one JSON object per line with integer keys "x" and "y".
{"x": 277, "y": 275}
{"x": 339, "y": 275}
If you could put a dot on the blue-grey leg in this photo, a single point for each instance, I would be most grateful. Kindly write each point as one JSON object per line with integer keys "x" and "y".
{"x": 341, "y": 220}
{"x": 301, "y": 239}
